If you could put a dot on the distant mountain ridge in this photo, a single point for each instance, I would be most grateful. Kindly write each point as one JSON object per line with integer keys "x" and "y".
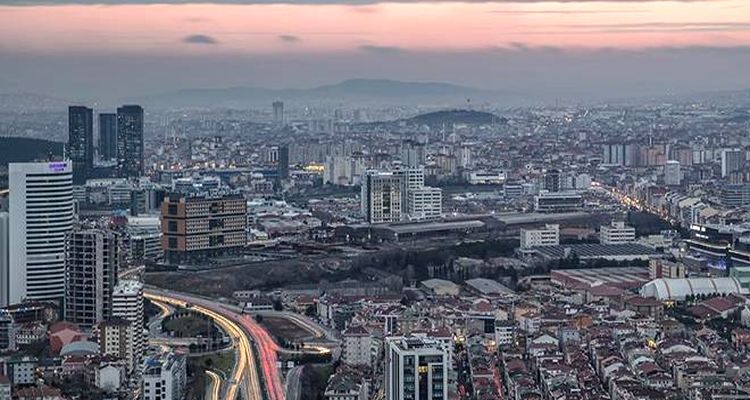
{"x": 360, "y": 90}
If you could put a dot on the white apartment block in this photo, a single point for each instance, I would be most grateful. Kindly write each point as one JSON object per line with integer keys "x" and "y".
{"x": 616, "y": 233}
{"x": 164, "y": 377}
{"x": 357, "y": 346}
{"x": 116, "y": 339}
{"x": 549, "y": 235}
{"x": 127, "y": 303}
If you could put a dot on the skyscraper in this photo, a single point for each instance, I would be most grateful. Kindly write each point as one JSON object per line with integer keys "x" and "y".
{"x": 108, "y": 136}
{"x": 92, "y": 261}
{"x": 81, "y": 142}
{"x": 4, "y": 257}
{"x": 283, "y": 165}
{"x": 731, "y": 160}
{"x": 416, "y": 368}
{"x": 130, "y": 141}
{"x": 278, "y": 112}
{"x": 41, "y": 215}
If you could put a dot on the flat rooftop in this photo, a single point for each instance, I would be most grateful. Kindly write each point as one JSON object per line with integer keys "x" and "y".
{"x": 535, "y": 218}
{"x": 623, "y": 277}
{"x": 597, "y": 250}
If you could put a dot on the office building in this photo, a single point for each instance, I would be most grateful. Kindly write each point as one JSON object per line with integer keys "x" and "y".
{"x": 416, "y": 368}
{"x": 424, "y": 204}
{"x": 92, "y": 262}
{"x": 130, "y": 141}
{"x": 549, "y": 235}
{"x": 616, "y": 233}
{"x": 552, "y": 202}
{"x": 127, "y": 303}
{"x": 278, "y": 112}
{"x": 164, "y": 377}
{"x": 199, "y": 225}
{"x": 283, "y": 164}
{"x": 41, "y": 215}
{"x": 116, "y": 338}
{"x": 731, "y": 160}
{"x": 81, "y": 142}
{"x": 108, "y": 136}
{"x": 382, "y": 197}
{"x": 672, "y": 173}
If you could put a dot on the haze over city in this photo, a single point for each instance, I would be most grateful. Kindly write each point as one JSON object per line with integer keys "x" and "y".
{"x": 374, "y": 200}
{"x": 577, "y": 50}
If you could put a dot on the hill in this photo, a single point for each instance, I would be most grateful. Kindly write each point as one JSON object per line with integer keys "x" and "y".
{"x": 450, "y": 117}
{"x": 16, "y": 149}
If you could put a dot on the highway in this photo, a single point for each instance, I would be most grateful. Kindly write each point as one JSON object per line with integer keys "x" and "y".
{"x": 213, "y": 390}
{"x": 293, "y": 382}
{"x": 244, "y": 379}
{"x": 268, "y": 355}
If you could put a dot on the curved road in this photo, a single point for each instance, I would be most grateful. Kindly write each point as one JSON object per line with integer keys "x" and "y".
{"x": 214, "y": 387}
{"x": 245, "y": 374}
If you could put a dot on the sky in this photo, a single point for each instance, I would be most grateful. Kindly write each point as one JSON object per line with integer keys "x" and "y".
{"x": 570, "y": 48}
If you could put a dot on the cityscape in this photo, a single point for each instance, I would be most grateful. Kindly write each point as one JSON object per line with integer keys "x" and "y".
{"x": 322, "y": 231}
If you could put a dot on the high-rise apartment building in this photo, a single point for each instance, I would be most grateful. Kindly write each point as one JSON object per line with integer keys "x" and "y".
{"x": 731, "y": 160}
{"x": 116, "y": 338}
{"x": 382, "y": 197}
{"x": 108, "y": 136}
{"x": 412, "y": 153}
{"x": 127, "y": 303}
{"x": 552, "y": 180}
{"x": 197, "y": 225}
{"x": 81, "y": 142}
{"x": 41, "y": 215}
{"x": 398, "y": 195}
{"x": 672, "y": 173}
{"x": 278, "y": 112}
{"x": 416, "y": 369}
{"x": 92, "y": 262}
{"x": 130, "y": 141}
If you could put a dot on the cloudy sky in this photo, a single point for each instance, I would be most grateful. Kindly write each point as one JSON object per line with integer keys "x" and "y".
{"x": 110, "y": 48}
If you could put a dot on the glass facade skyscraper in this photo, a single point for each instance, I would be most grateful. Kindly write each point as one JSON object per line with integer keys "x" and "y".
{"x": 81, "y": 142}
{"x": 130, "y": 141}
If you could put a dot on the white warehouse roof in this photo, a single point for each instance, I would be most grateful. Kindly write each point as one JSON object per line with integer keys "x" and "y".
{"x": 678, "y": 289}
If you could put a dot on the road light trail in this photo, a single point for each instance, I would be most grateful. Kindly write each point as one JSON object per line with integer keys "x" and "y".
{"x": 215, "y": 385}
{"x": 268, "y": 355}
{"x": 245, "y": 366}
